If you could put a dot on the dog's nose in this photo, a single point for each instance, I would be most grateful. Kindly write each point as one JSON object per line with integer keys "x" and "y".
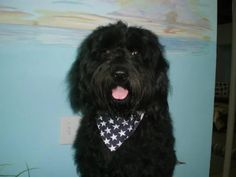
{"x": 120, "y": 75}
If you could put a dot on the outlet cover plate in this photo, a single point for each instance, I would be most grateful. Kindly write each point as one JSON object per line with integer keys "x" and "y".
{"x": 69, "y": 127}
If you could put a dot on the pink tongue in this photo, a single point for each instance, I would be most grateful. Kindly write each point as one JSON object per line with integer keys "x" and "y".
{"x": 119, "y": 93}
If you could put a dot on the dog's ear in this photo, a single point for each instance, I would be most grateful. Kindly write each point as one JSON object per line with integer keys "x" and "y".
{"x": 73, "y": 79}
{"x": 160, "y": 89}
{"x": 157, "y": 61}
{"x": 76, "y": 80}
{"x": 162, "y": 80}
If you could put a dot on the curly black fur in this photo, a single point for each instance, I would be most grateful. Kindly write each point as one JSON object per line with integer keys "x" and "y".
{"x": 137, "y": 54}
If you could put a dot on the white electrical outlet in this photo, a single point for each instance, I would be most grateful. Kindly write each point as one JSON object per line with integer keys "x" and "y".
{"x": 69, "y": 127}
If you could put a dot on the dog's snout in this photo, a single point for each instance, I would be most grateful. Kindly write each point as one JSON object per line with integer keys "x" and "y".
{"x": 120, "y": 75}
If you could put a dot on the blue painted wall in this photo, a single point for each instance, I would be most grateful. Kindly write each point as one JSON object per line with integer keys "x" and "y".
{"x": 33, "y": 98}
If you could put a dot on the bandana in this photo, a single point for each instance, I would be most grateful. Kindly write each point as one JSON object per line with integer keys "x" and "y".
{"x": 115, "y": 130}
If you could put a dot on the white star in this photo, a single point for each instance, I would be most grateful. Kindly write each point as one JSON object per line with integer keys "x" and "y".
{"x": 116, "y": 126}
{"x": 112, "y": 148}
{"x": 102, "y": 133}
{"x": 100, "y": 118}
{"x": 122, "y": 133}
{"x": 132, "y": 117}
{"x": 125, "y": 122}
{"x": 103, "y": 123}
{"x": 106, "y": 141}
{"x": 130, "y": 128}
{"x": 119, "y": 144}
{"x": 114, "y": 137}
{"x": 108, "y": 130}
{"x": 111, "y": 121}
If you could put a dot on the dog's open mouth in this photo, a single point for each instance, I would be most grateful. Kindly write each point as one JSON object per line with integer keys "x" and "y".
{"x": 120, "y": 93}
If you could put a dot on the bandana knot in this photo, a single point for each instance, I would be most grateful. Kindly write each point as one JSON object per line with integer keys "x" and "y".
{"x": 115, "y": 130}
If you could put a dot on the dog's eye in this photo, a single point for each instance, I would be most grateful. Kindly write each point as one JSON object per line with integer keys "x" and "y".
{"x": 133, "y": 53}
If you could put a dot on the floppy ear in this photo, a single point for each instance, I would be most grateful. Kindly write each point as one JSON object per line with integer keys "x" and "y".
{"x": 162, "y": 80}
{"x": 159, "y": 105}
{"x": 78, "y": 76}
{"x": 162, "y": 83}
{"x": 73, "y": 79}
{"x": 160, "y": 64}
{"x": 76, "y": 79}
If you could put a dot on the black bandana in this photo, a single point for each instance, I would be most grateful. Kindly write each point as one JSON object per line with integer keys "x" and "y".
{"x": 115, "y": 130}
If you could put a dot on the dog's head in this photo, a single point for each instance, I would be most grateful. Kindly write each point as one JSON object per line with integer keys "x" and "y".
{"x": 118, "y": 69}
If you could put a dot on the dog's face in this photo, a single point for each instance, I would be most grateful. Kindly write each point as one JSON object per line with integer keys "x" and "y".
{"x": 118, "y": 69}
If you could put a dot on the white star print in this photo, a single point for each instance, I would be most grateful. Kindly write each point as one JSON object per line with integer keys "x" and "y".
{"x": 125, "y": 122}
{"x": 115, "y": 130}
{"x": 108, "y": 130}
{"x": 122, "y": 133}
{"x": 116, "y": 126}
{"x": 114, "y": 137}
{"x": 112, "y": 148}
{"x": 103, "y": 123}
{"x": 106, "y": 141}
{"x": 132, "y": 117}
{"x": 102, "y": 133}
{"x": 130, "y": 128}
{"x": 111, "y": 121}
{"x": 119, "y": 144}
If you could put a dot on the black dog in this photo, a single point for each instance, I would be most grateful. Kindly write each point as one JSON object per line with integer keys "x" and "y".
{"x": 119, "y": 82}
